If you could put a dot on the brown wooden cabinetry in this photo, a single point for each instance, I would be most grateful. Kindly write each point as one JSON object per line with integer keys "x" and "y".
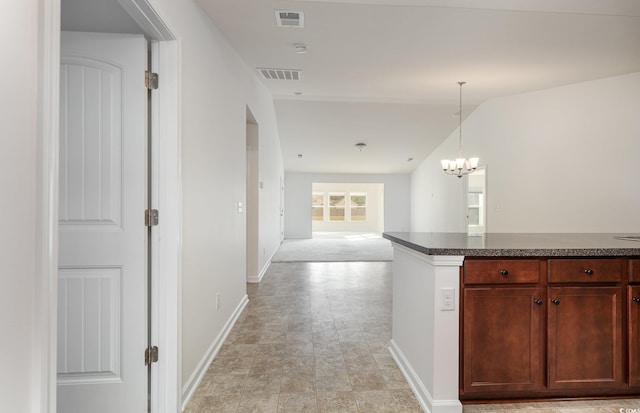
{"x": 633, "y": 302}
{"x": 585, "y": 346}
{"x": 550, "y": 327}
{"x": 502, "y": 272}
{"x": 604, "y": 270}
{"x": 634, "y": 270}
{"x": 503, "y": 328}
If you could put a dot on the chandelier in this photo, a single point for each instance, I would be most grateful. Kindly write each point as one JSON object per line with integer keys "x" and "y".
{"x": 460, "y": 166}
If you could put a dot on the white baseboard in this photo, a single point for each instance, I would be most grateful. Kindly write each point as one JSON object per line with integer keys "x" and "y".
{"x": 263, "y": 271}
{"x": 191, "y": 385}
{"x": 417, "y": 386}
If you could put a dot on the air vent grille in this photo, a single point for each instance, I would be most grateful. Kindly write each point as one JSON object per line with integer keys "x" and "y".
{"x": 286, "y": 18}
{"x": 280, "y": 74}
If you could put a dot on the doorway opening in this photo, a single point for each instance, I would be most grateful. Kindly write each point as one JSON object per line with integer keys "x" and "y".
{"x": 103, "y": 340}
{"x": 476, "y": 202}
{"x": 252, "y": 198}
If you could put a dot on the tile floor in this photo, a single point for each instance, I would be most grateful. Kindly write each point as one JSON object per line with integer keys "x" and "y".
{"x": 314, "y": 338}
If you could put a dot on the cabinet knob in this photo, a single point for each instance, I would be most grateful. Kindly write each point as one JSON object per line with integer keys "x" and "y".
{"x": 504, "y": 273}
{"x": 539, "y": 302}
{"x": 556, "y": 302}
{"x": 636, "y": 299}
{"x": 588, "y": 271}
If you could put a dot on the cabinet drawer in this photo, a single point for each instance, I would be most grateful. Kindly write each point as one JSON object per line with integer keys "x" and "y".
{"x": 585, "y": 270}
{"x": 634, "y": 270}
{"x": 501, "y": 271}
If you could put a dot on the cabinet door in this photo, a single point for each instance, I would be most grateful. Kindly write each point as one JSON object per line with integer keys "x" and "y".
{"x": 503, "y": 339}
{"x": 634, "y": 270}
{"x": 634, "y": 335}
{"x": 585, "y": 337}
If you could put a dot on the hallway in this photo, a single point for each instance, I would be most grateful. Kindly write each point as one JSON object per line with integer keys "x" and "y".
{"x": 313, "y": 338}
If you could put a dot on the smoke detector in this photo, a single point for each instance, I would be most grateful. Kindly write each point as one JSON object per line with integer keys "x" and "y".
{"x": 288, "y": 18}
{"x": 301, "y": 48}
{"x": 360, "y": 146}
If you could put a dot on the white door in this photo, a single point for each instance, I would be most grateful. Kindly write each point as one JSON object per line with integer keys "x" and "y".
{"x": 102, "y": 324}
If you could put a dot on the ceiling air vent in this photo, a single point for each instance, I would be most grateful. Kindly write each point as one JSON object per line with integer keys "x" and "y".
{"x": 287, "y": 18}
{"x": 280, "y": 74}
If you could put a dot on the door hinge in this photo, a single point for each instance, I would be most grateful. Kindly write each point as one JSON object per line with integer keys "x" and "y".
{"x": 151, "y": 355}
{"x": 151, "y": 217}
{"x": 150, "y": 80}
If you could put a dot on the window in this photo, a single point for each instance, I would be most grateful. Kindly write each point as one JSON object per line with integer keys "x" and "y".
{"x": 358, "y": 206}
{"x": 336, "y": 207}
{"x": 317, "y": 206}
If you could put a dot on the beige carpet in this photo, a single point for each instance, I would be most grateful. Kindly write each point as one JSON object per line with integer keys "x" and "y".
{"x": 335, "y": 247}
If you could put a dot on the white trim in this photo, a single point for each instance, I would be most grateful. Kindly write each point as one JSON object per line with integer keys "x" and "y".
{"x": 263, "y": 271}
{"x": 417, "y": 386}
{"x": 145, "y": 15}
{"x": 419, "y": 389}
{"x": 194, "y": 381}
{"x": 168, "y": 238}
{"x": 46, "y": 255}
{"x": 435, "y": 260}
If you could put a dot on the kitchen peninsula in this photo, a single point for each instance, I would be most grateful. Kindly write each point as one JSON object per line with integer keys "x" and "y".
{"x": 516, "y": 316}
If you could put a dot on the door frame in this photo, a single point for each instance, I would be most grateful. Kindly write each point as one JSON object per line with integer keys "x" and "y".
{"x": 166, "y": 250}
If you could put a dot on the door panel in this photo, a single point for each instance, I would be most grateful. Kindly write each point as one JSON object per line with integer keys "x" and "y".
{"x": 633, "y": 301}
{"x": 585, "y": 337}
{"x": 503, "y": 339}
{"x": 102, "y": 325}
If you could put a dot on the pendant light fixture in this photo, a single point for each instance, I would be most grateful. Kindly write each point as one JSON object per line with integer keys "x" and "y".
{"x": 460, "y": 166}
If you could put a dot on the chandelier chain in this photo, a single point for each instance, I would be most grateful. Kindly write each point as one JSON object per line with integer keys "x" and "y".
{"x": 460, "y": 166}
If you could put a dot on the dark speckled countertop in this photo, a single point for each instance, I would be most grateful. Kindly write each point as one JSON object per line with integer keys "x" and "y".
{"x": 518, "y": 245}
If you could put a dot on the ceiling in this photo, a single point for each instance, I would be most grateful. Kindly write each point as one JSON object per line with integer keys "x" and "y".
{"x": 102, "y": 16}
{"x": 385, "y": 72}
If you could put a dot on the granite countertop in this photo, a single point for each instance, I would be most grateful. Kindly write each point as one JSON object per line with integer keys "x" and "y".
{"x": 517, "y": 244}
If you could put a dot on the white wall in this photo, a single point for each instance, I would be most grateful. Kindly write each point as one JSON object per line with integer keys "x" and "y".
{"x": 214, "y": 178}
{"x": 374, "y": 221}
{"x": 297, "y": 203}
{"x": 559, "y": 160}
{"x": 19, "y": 146}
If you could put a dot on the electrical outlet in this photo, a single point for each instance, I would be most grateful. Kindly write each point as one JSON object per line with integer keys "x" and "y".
{"x": 217, "y": 301}
{"x": 448, "y": 302}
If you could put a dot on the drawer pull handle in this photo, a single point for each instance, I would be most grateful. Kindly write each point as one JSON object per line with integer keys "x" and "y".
{"x": 539, "y": 302}
{"x": 504, "y": 273}
{"x": 588, "y": 272}
{"x": 636, "y": 299}
{"x": 556, "y": 302}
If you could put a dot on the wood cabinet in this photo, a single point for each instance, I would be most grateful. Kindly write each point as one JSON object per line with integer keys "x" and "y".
{"x": 604, "y": 270}
{"x": 633, "y": 302}
{"x": 585, "y": 337}
{"x": 634, "y": 270}
{"x": 550, "y": 327}
{"x": 503, "y": 328}
{"x": 502, "y": 272}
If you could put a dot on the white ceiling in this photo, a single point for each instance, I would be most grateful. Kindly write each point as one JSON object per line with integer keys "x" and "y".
{"x": 102, "y": 16}
{"x": 384, "y": 72}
